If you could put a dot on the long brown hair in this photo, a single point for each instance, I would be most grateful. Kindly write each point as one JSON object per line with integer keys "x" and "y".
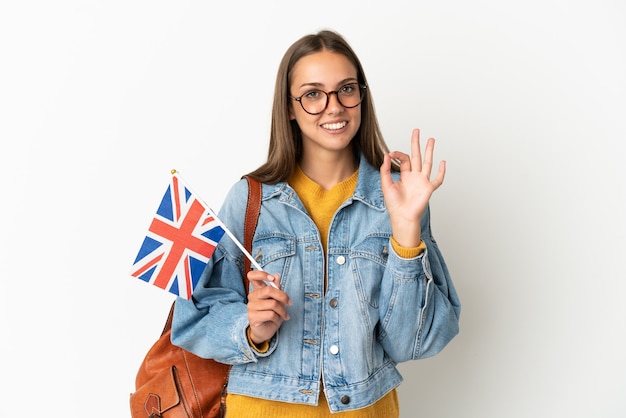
{"x": 285, "y": 147}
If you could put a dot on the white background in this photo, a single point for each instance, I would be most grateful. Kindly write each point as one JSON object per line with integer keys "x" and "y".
{"x": 100, "y": 99}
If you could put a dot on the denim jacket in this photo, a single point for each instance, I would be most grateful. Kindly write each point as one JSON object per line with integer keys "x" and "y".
{"x": 378, "y": 309}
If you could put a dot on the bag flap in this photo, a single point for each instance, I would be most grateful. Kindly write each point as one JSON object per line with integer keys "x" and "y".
{"x": 157, "y": 395}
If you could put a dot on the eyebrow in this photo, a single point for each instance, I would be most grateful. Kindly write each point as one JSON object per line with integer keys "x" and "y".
{"x": 343, "y": 82}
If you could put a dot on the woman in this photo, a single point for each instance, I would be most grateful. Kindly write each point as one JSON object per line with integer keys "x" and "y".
{"x": 359, "y": 283}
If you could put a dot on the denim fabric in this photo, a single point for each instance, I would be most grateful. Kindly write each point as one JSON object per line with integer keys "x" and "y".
{"x": 378, "y": 309}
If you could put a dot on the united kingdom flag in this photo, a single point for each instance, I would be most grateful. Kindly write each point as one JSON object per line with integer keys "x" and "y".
{"x": 179, "y": 242}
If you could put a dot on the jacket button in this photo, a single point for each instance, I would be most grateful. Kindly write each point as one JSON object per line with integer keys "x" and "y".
{"x": 333, "y": 303}
{"x": 345, "y": 399}
{"x": 341, "y": 260}
{"x": 334, "y": 349}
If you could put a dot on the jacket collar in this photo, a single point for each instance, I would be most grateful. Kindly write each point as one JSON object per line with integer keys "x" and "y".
{"x": 368, "y": 188}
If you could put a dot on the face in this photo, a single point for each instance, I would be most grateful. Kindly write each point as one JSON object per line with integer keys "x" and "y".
{"x": 331, "y": 130}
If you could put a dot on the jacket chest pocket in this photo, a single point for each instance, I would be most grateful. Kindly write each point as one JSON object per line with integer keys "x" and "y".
{"x": 274, "y": 252}
{"x": 369, "y": 261}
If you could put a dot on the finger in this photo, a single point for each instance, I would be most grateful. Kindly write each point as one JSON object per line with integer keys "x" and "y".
{"x": 273, "y": 294}
{"x": 268, "y": 279}
{"x": 385, "y": 172}
{"x": 273, "y": 280}
{"x": 427, "y": 166}
{"x": 416, "y": 152}
{"x": 265, "y": 310}
{"x": 403, "y": 160}
{"x": 438, "y": 181}
{"x": 259, "y": 279}
{"x": 266, "y": 292}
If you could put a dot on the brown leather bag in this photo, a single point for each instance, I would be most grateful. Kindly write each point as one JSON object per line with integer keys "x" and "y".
{"x": 174, "y": 383}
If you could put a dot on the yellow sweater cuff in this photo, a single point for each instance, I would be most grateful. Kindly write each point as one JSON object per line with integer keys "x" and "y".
{"x": 408, "y": 252}
{"x": 262, "y": 348}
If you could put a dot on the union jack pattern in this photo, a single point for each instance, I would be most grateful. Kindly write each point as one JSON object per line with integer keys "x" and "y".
{"x": 179, "y": 242}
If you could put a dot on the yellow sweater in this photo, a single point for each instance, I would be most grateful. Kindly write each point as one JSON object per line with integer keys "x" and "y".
{"x": 321, "y": 205}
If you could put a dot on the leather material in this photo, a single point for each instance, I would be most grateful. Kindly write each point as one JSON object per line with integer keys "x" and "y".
{"x": 174, "y": 383}
{"x": 253, "y": 211}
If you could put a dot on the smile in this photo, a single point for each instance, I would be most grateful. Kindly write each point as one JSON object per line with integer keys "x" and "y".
{"x": 334, "y": 126}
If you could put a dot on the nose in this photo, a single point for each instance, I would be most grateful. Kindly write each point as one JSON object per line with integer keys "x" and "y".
{"x": 334, "y": 105}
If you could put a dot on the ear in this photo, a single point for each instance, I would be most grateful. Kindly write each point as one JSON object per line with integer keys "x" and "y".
{"x": 292, "y": 115}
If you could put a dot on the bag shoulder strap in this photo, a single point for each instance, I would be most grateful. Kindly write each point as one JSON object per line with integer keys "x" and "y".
{"x": 253, "y": 208}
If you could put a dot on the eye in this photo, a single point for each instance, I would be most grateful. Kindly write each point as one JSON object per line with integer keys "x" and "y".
{"x": 312, "y": 95}
{"x": 348, "y": 89}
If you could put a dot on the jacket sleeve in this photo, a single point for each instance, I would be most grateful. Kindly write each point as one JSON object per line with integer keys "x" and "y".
{"x": 419, "y": 306}
{"x": 212, "y": 324}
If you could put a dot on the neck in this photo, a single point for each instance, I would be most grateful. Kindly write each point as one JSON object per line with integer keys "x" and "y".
{"x": 329, "y": 170}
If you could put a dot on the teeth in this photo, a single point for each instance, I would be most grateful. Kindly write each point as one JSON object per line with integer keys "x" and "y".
{"x": 338, "y": 125}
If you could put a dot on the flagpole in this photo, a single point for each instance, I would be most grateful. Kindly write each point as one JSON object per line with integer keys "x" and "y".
{"x": 230, "y": 234}
{"x": 236, "y": 241}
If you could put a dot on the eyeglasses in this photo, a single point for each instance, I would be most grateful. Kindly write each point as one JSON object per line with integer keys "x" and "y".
{"x": 315, "y": 101}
